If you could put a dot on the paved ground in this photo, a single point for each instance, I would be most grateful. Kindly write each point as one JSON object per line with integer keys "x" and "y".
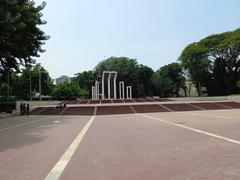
{"x": 167, "y": 145}
{"x": 131, "y": 108}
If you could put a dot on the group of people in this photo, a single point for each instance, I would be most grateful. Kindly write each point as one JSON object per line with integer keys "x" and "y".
{"x": 24, "y": 109}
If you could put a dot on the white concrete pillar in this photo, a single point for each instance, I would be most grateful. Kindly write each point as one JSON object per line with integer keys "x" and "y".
{"x": 109, "y": 86}
{"x": 96, "y": 90}
{"x": 123, "y": 90}
{"x": 93, "y": 92}
{"x": 103, "y": 96}
{"x": 115, "y": 85}
{"x": 129, "y": 92}
{"x": 120, "y": 90}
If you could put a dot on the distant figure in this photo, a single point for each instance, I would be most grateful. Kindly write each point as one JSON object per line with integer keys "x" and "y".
{"x": 27, "y": 109}
{"x": 23, "y": 108}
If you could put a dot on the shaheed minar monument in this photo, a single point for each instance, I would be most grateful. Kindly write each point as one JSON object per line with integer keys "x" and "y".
{"x": 109, "y": 88}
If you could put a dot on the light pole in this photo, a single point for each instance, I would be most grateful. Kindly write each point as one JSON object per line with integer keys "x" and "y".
{"x": 8, "y": 74}
{"x": 30, "y": 86}
{"x": 40, "y": 88}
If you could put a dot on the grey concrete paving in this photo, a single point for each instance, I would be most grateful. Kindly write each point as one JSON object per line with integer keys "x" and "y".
{"x": 30, "y": 146}
{"x": 157, "y": 146}
{"x": 133, "y": 147}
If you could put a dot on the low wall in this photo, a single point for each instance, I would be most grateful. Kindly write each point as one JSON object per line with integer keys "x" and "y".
{"x": 213, "y": 98}
{"x": 37, "y": 103}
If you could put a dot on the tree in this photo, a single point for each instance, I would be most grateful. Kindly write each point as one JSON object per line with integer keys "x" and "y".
{"x": 35, "y": 73}
{"x": 21, "y": 39}
{"x": 127, "y": 71}
{"x": 21, "y": 83}
{"x": 145, "y": 80}
{"x": 215, "y": 62}
{"x": 85, "y": 80}
{"x": 169, "y": 79}
{"x": 67, "y": 90}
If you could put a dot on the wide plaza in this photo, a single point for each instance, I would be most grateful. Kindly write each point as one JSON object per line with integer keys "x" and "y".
{"x": 191, "y": 144}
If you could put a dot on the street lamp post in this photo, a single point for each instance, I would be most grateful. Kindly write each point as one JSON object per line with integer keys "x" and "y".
{"x": 30, "y": 87}
{"x": 40, "y": 88}
{"x": 8, "y": 89}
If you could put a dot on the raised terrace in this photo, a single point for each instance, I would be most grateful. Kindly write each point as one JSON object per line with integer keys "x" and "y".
{"x": 132, "y": 107}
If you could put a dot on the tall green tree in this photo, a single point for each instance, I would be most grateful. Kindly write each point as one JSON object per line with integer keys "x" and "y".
{"x": 85, "y": 80}
{"x": 214, "y": 62}
{"x": 21, "y": 38}
{"x": 67, "y": 90}
{"x": 130, "y": 72}
{"x": 145, "y": 77}
{"x": 169, "y": 79}
{"x": 21, "y": 87}
{"x": 125, "y": 67}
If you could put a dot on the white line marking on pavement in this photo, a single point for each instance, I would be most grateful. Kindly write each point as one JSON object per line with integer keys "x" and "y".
{"x": 207, "y": 115}
{"x": 132, "y": 108}
{"x": 95, "y": 111}
{"x": 56, "y": 122}
{"x": 25, "y": 124}
{"x": 194, "y": 130}
{"x": 197, "y": 107}
{"x": 59, "y": 167}
{"x": 63, "y": 111}
{"x": 165, "y": 107}
{"x": 227, "y": 107}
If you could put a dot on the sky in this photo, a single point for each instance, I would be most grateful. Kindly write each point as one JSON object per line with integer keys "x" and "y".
{"x": 85, "y": 32}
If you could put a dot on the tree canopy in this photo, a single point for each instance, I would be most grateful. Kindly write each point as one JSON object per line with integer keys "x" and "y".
{"x": 21, "y": 38}
{"x": 20, "y": 82}
{"x": 169, "y": 79}
{"x": 215, "y": 62}
{"x": 66, "y": 90}
{"x": 133, "y": 74}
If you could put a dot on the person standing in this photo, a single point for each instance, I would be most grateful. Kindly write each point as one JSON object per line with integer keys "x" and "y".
{"x": 21, "y": 108}
{"x": 24, "y": 108}
{"x": 27, "y": 109}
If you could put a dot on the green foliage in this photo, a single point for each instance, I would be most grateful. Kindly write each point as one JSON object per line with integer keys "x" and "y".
{"x": 84, "y": 79}
{"x": 20, "y": 82}
{"x": 238, "y": 84}
{"x": 138, "y": 76}
{"x": 145, "y": 82}
{"x": 34, "y": 72}
{"x": 215, "y": 62}
{"x": 67, "y": 90}
{"x": 21, "y": 39}
{"x": 169, "y": 79}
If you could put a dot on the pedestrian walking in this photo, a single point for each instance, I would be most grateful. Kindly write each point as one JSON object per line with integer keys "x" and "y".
{"x": 21, "y": 108}
{"x": 24, "y": 108}
{"x": 27, "y": 109}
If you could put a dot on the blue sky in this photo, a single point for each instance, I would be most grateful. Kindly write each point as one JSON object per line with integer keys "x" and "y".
{"x": 154, "y": 32}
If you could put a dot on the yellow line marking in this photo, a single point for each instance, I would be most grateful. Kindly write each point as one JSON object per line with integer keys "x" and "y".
{"x": 59, "y": 167}
{"x": 25, "y": 124}
{"x": 194, "y": 130}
